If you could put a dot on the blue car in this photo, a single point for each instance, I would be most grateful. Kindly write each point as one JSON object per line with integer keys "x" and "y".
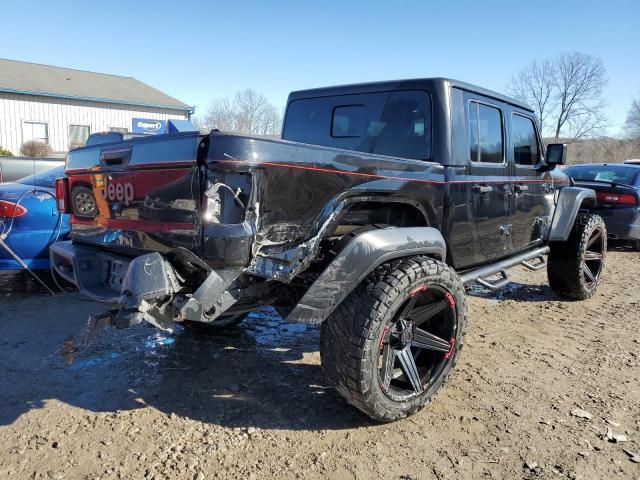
{"x": 617, "y": 188}
{"x": 30, "y": 221}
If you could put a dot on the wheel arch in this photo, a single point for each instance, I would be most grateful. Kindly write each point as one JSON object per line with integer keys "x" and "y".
{"x": 357, "y": 259}
{"x": 392, "y": 210}
{"x": 570, "y": 201}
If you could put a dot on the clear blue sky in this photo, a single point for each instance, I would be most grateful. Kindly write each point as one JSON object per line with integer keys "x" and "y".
{"x": 197, "y": 51}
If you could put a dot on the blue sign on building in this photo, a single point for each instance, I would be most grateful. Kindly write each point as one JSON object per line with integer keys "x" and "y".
{"x": 148, "y": 126}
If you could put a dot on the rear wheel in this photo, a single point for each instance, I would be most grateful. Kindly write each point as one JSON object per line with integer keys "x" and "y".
{"x": 390, "y": 345}
{"x": 636, "y": 245}
{"x": 575, "y": 266}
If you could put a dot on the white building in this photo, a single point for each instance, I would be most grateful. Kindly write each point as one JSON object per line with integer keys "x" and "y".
{"x": 62, "y": 106}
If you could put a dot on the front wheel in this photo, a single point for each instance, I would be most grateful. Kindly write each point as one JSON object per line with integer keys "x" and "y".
{"x": 575, "y": 266}
{"x": 390, "y": 345}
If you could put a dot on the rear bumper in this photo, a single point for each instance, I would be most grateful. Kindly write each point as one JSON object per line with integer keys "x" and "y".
{"x": 144, "y": 288}
{"x": 622, "y": 223}
{"x": 93, "y": 271}
{"x": 140, "y": 288}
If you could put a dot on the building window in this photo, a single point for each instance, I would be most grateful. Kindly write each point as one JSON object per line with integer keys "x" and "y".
{"x": 119, "y": 129}
{"x": 35, "y": 131}
{"x": 78, "y": 135}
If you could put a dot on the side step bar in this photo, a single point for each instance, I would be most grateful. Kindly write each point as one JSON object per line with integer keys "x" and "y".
{"x": 480, "y": 275}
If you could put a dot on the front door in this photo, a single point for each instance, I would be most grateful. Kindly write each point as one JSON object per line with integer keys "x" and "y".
{"x": 530, "y": 186}
{"x": 489, "y": 176}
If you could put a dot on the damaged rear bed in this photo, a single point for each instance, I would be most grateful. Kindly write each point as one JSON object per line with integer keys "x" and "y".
{"x": 192, "y": 227}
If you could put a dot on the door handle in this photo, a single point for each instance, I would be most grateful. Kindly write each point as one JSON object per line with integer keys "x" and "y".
{"x": 482, "y": 189}
{"x": 521, "y": 188}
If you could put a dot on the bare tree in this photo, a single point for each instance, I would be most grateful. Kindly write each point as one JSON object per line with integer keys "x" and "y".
{"x": 249, "y": 112}
{"x": 566, "y": 93}
{"x": 220, "y": 115}
{"x": 535, "y": 86}
{"x": 632, "y": 124}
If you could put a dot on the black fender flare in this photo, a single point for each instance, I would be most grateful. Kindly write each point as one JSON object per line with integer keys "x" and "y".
{"x": 359, "y": 258}
{"x": 570, "y": 201}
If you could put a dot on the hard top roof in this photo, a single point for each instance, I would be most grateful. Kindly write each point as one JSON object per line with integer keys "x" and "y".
{"x": 408, "y": 84}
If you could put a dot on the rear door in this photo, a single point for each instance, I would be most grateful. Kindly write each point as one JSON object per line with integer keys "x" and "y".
{"x": 531, "y": 188}
{"x": 488, "y": 174}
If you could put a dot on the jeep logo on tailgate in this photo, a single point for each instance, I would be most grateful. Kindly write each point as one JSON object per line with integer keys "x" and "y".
{"x": 120, "y": 192}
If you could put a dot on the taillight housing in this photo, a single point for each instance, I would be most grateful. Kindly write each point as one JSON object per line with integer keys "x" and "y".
{"x": 62, "y": 195}
{"x": 11, "y": 210}
{"x": 627, "y": 199}
{"x": 617, "y": 198}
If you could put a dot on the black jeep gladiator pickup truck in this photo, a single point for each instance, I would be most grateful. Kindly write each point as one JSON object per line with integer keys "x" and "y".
{"x": 371, "y": 214}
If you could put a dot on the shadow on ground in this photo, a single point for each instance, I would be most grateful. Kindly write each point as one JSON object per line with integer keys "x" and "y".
{"x": 251, "y": 375}
{"x": 265, "y": 373}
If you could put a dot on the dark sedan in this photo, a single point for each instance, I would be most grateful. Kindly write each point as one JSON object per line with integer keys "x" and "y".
{"x": 617, "y": 187}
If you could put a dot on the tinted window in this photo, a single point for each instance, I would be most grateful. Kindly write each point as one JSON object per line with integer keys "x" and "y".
{"x": 524, "y": 141}
{"x": 404, "y": 128}
{"x": 46, "y": 178}
{"x": 395, "y": 123}
{"x": 604, "y": 173}
{"x": 349, "y": 121}
{"x": 485, "y": 133}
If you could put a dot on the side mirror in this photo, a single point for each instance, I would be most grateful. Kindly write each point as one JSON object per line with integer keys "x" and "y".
{"x": 556, "y": 154}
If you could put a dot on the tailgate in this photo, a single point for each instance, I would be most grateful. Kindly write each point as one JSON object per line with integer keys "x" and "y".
{"x": 139, "y": 195}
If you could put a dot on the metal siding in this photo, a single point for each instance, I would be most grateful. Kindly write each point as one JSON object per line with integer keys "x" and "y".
{"x": 60, "y": 113}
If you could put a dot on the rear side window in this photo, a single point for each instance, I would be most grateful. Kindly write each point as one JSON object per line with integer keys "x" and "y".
{"x": 485, "y": 133}
{"x": 525, "y": 142}
{"x": 402, "y": 129}
{"x": 386, "y": 123}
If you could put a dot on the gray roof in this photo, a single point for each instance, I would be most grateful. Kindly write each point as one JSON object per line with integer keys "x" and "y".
{"x": 35, "y": 79}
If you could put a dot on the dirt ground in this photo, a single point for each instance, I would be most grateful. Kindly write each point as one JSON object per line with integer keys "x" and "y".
{"x": 140, "y": 404}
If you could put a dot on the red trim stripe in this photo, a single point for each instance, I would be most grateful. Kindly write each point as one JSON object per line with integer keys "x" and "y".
{"x": 388, "y": 177}
{"x": 168, "y": 165}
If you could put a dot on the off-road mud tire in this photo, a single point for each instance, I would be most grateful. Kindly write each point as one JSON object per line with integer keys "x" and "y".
{"x": 565, "y": 262}
{"x": 351, "y": 335}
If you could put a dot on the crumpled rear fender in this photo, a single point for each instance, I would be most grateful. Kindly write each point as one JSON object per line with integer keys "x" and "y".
{"x": 359, "y": 258}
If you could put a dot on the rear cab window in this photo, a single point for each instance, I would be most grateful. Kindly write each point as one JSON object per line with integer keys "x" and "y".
{"x": 394, "y": 123}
